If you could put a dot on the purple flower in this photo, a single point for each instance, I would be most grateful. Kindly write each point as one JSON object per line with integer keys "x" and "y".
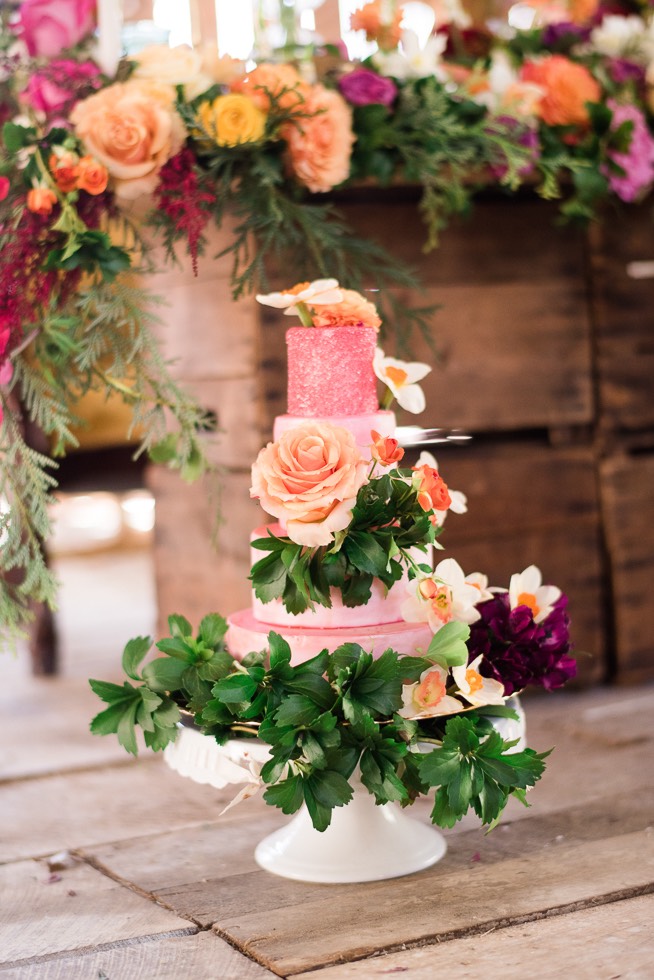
{"x": 622, "y": 70}
{"x": 564, "y": 34}
{"x": 638, "y": 161}
{"x": 519, "y": 652}
{"x": 365, "y": 87}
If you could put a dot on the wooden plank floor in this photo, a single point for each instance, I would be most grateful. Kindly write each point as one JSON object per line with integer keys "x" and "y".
{"x": 155, "y": 885}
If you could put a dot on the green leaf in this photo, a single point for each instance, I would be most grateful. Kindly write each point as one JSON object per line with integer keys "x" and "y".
{"x": 297, "y": 710}
{"x": 288, "y": 795}
{"x": 164, "y": 674}
{"x": 330, "y": 788}
{"x": 176, "y": 647}
{"x": 235, "y": 689}
{"x": 126, "y": 731}
{"x": 212, "y": 629}
{"x": 16, "y": 137}
{"x": 365, "y": 553}
{"x": 439, "y": 767}
{"x": 280, "y": 651}
{"x": 133, "y": 654}
{"x": 179, "y": 626}
{"x": 448, "y": 646}
{"x": 113, "y": 692}
{"x": 321, "y": 815}
{"x": 164, "y": 451}
{"x": 107, "y": 721}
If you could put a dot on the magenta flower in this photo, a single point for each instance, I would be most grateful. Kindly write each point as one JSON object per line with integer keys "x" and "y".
{"x": 55, "y": 88}
{"x": 364, "y": 87}
{"x": 638, "y": 162}
{"x": 519, "y": 652}
{"x": 49, "y": 27}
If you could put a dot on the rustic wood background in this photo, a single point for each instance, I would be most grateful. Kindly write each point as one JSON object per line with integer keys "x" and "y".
{"x": 546, "y": 357}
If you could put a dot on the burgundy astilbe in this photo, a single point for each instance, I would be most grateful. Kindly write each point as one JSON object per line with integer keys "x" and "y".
{"x": 519, "y": 652}
{"x": 184, "y": 201}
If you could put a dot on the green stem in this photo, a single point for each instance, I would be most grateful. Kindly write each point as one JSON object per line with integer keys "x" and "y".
{"x": 304, "y": 314}
{"x": 387, "y": 399}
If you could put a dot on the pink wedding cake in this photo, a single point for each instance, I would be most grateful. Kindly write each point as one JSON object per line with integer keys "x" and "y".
{"x": 332, "y": 400}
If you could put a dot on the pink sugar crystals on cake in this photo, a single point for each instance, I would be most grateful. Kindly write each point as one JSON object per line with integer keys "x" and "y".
{"x": 330, "y": 371}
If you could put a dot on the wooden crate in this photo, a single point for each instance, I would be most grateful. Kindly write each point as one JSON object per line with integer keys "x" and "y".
{"x": 628, "y": 504}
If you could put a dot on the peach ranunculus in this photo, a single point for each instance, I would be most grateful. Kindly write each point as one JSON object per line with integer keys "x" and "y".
{"x": 320, "y": 143}
{"x": 231, "y": 120}
{"x": 433, "y": 493}
{"x": 370, "y": 18}
{"x": 41, "y": 200}
{"x": 567, "y": 88}
{"x": 92, "y": 176}
{"x": 282, "y": 82}
{"x": 133, "y": 130}
{"x": 385, "y": 450}
{"x": 354, "y": 310}
{"x": 309, "y": 479}
{"x": 180, "y": 65}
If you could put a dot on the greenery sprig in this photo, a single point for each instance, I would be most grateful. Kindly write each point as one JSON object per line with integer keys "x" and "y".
{"x": 325, "y": 720}
{"x": 387, "y": 524}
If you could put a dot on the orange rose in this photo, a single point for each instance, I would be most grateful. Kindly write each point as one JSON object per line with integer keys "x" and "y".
{"x": 369, "y": 19}
{"x": 385, "y": 449}
{"x": 63, "y": 168}
{"x": 133, "y": 130}
{"x": 320, "y": 145}
{"x": 433, "y": 493}
{"x": 568, "y": 87}
{"x": 41, "y": 200}
{"x": 353, "y": 311}
{"x": 309, "y": 479}
{"x": 92, "y": 176}
{"x": 283, "y": 82}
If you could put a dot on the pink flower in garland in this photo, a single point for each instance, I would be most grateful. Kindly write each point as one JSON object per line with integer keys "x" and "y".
{"x": 48, "y": 27}
{"x": 638, "y": 161}
{"x": 56, "y": 87}
{"x": 4, "y": 187}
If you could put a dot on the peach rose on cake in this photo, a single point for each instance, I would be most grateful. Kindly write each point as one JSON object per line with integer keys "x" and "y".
{"x": 309, "y": 479}
{"x": 319, "y": 145}
{"x": 133, "y": 130}
{"x": 354, "y": 310}
{"x": 567, "y": 87}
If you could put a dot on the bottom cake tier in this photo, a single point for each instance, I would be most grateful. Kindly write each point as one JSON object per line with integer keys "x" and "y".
{"x": 247, "y": 634}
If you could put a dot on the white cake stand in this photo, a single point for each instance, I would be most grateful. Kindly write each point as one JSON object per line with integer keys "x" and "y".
{"x": 364, "y": 842}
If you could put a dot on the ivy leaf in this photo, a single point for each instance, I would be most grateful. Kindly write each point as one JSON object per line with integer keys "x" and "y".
{"x": 365, "y": 553}
{"x": 133, "y": 654}
{"x": 235, "y": 689}
{"x": 297, "y": 710}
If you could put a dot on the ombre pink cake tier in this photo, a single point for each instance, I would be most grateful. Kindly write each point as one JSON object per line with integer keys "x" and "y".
{"x": 383, "y": 607}
{"x": 330, "y": 371}
{"x": 246, "y": 634}
{"x": 359, "y": 425}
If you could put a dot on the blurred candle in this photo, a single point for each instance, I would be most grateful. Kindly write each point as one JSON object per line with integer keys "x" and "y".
{"x": 109, "y": 47}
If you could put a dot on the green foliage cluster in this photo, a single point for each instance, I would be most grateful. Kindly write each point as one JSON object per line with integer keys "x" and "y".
{"x": 328, "y": 722}
{"x": 387, "y": 523}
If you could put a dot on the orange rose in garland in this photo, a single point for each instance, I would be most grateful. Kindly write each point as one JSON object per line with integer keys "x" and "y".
{"x": 568, "y": 87}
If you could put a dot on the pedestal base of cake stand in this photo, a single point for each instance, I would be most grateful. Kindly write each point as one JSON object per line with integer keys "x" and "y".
{"x": 364, "y": 842}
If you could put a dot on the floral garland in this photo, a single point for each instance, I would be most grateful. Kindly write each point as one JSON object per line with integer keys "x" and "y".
{"x": 564, "y": 106}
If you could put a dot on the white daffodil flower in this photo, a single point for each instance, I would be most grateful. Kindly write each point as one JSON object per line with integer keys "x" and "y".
{"x": 427, "y": 698}
{"x": 480, "y": 582}
{"x": 476, "y": 689}
{"x": 412, "y": 61}
{"x": 526, "y": 589}
{"x": 400, "y": 378}
{"x": 624, "y": 37}
{"x": 317, "y": 293}
{"x": 442, "y": 597}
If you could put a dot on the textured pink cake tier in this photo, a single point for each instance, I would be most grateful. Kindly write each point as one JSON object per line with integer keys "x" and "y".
{"x": 330, "y": 371}
{"x": 359, "y": 425}
{"x": 246, "y": 634}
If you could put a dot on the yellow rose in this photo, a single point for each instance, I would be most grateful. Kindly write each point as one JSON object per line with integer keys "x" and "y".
{"x": 232, "y": 119}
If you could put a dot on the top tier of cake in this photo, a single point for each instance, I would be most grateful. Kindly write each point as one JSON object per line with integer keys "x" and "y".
{"x": 330, "y": 372}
